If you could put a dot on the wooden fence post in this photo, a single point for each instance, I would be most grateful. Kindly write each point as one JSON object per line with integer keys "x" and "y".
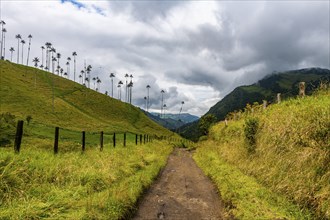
{"x": 83, "y": 141}
{"x": 124, "y": 139}
{"x": 278, "y": 98}
{"x": 114, "y": 139}
{"x": 18, "y": 137}
{"x": 101, "y": 141}
{"x": 140, "y": 138}
{"x": 264, "y": 104}
{"x": 57, "y": 129}
{"x": 136, "y": 139}
{"x": 302, "y": 89}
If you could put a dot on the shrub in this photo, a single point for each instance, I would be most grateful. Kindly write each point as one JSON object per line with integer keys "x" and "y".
{"x": 250, "y": 131}
{"x": 7, "y": 128}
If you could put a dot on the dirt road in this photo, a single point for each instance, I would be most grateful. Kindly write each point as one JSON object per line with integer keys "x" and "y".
{"x": 181, "y": 192}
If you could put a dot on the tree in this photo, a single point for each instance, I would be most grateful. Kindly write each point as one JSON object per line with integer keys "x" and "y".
{"x": 206, "y": 122}
{"x": 111, "y": 76}
{"x": 68, "y": 65}
{"x": 36, "y": 61}
{"x": 18, "y": 37}
{"x": 2, "y": 23}
{"x": 27, "y": 61}
{"x": 42, "y": 57}
{"x": 94, "y": 79}
{"x": 88, "y": 71}
{"x": 81, "y": 76}
{"x": 164, "y": 108}
{"x": 147, "y": 107}
{"x": 74, "y": 54}
{"x": 129, "y": 87}
{"x": 22, "y": 42}
{"x": 4, "y": 31}
{"x": 53, "y": 59}
{"x": 126, "y": 94}
{"x": 146, "y": 102}
{"x": 11, "y": 53}
{"x": 48, "y": 49}
{"x": 53, "y": 64}
{"x": 58, "y": 56}
{"x": 161, "y": 108}
{"x": 98, "y": 81}
{"x": 181, "y": 109}
{"x": 119, "y": 89}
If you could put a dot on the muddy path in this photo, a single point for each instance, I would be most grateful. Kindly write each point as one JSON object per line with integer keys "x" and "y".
{"x": 182, "y": 191}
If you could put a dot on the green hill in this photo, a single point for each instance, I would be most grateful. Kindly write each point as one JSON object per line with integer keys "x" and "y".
{"x": 27, "y": 91}
{"x": 285, "y": 83}
{"x": 268, "y": 159}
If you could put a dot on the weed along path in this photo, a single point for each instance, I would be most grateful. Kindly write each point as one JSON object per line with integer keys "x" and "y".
{"x": 182, "y": 191}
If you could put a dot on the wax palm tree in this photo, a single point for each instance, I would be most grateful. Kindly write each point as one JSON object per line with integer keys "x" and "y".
{"x": 119, "y": 89}
{"x": 145, "y": 100}
{"x": 18, "y": 37}
{"x": 61, "y": 71}
{"x": 11, "y": 53}
{"x": 53, "y": 64}
{"x": 36, "y": 61}
{"x": 68, "y": 65}
{"x": 88, "y": 71}
{"x": 74, "y": 54}
{"x": 130, "y": 87}
{"x": 4, "y": 31}
{"x": 126, "y": 94}
{"x": 65, "y": 74}
{"x": 164, "y": 108}
{"x": 94, "y": 79}
{"x": 111, "y": 76}
{"x": 58, "y": 56}
{"x": 2, "y": 23}
{"x": 148, "y": 87}
{"x": 48, "y": 49}
{"x": 161, "y": 109}
{"x": 42, "y": 56}
{"x": 98, "y": 81}
{"x": 80, "y": 77}
{"x": 22, "y": 42}
{"x": 27, "y": 60}
{"x": 182, "y": 103}
{"x": 87, "y": 80}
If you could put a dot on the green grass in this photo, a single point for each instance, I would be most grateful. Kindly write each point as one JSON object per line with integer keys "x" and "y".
{"x": 75, "y": 106}
{"x": 243, "y": 196}
{"x": 36, "y": 184}
{"x": 291, "y": 158}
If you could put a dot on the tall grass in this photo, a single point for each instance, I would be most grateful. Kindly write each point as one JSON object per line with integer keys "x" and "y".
{"x": 94, "y": 185}
{"x": 292, "y": 150}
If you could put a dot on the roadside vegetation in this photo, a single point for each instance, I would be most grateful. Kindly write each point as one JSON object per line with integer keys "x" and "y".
{"x": 37, "y": 184}
{"x": 265, "y": 160}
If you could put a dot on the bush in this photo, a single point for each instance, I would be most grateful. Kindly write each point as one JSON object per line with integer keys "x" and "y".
{"x": 7, "y": 128}
{"x": 250, "y": 131}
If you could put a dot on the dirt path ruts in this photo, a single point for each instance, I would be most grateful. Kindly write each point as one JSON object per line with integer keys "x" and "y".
{"x": 181, "y": 192}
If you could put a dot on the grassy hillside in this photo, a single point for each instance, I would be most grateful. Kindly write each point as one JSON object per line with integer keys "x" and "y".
{"x": 28, "y": 91}
{"x": 285, "y": 83}
{"x": 284, "y": 148}
{"x": 36, "y": 184}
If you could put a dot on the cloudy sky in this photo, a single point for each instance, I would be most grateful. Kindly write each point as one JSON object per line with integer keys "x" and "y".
{"x": 197, "y": 51}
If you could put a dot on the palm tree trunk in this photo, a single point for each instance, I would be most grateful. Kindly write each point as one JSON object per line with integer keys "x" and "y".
{"x": 18, "y": 51}
{"x": 27, "y": 60}
{"x": 11, "y": 56}
{"x": 22, "y": 52}
{"x": 4, "y": 45}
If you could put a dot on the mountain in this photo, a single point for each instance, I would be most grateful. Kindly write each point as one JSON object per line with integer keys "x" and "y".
{"x": 285, "y": 83}
{"x": 27, "y": 91}
{"x": 172, "y": 121}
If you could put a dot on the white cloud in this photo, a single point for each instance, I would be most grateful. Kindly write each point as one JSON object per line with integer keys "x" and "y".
{"x": 201, "y": 50}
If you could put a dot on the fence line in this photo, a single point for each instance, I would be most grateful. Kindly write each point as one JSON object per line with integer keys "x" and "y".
{"x": 144, "y": 138}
